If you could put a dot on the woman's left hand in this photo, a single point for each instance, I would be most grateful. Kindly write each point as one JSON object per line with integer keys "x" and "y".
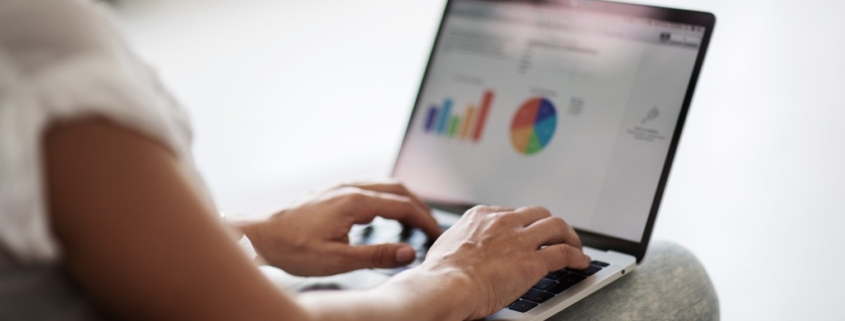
{"x": 312, "y": 238}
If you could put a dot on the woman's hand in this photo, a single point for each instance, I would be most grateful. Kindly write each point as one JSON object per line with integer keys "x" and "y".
{"x": 166, "y": 246}
{"x": 311, "y": 239}
{"x": 499, "y": 253}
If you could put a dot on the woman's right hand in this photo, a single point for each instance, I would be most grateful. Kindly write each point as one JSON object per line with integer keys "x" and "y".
{"x": 167, "y": 245}
{"x": 500, "y": 253}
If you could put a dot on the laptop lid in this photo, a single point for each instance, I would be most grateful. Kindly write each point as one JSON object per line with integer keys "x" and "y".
{"x": 576, "y": 106}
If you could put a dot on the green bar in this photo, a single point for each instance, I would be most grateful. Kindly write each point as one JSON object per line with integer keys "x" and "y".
{"x": 453, "y": 125}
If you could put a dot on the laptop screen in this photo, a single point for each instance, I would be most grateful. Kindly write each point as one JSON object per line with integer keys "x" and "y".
{"x": 526, "y": 104}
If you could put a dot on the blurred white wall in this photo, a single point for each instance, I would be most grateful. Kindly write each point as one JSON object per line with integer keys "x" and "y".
{"x": 288, "y": 96}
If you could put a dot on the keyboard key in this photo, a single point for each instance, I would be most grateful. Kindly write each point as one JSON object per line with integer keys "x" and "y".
{"x": 556, "y": 275}
{"x": 537, "y": 296}
{"x": 429, "y": 242}
{"x": 559, "y": 288}
{"x": 406, "y": 233}
{"x": 566, "y": 282}
{"x": 600, "y": 263}
{"x": 544, "y": 284}
{"x": 367, "y": 231}
{"x": 588, "y": 271}
{"x": 522, "y": 306}
{"x": 572, "y": 278}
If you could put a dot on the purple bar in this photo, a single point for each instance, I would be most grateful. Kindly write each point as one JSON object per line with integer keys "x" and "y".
{"x": 429, "y": 120}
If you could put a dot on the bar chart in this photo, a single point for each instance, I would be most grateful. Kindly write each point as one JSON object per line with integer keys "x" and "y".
{"x": 441, "y": 121}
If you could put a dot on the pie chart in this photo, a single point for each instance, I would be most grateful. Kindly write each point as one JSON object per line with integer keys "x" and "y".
{"x": 533, "y": 126}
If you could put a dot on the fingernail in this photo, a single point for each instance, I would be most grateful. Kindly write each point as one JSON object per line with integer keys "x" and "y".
{"x": 405, "y": 255}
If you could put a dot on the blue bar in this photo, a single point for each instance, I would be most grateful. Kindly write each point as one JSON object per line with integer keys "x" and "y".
{"x": 429, "y": 120}
{"x": 444, "y": 116}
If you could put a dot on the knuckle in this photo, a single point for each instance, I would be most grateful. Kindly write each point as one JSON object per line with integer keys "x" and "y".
{"x": 381, "y": 256}
{"x": 501, "y": 221}
{"x": 544, "y": 211}
{"x": 353, "y": 197}
{"x": 358, "y": 196}
{"x": 537, "y": 209}
{"x": 405, "y": 199}
{"x": 509, "y": 217}
{"x": 345, "y": 188}
{"x": 548, "y": 263}
{"x": 561, "y": 255}
{"x": 477, "y": 210}
{"x": 394, "y": 185}
{"x": 400, "y": 186}
{"x": 560, "y": 224}
{"x": 408, "y": 210}
{"x": 480, "y": 208}
{"x": 501, "y": 209}
{"x": 394, "y": 188}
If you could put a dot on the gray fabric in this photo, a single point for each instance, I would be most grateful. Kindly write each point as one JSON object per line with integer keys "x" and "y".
{"x": 671, "y": 284}
{"x": 43, "y": 292}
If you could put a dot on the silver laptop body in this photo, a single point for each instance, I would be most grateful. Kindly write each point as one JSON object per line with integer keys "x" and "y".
{"x": 576, "y": 106}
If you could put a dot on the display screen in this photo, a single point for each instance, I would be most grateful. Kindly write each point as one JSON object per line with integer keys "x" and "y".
{"x": 530, "y": 104}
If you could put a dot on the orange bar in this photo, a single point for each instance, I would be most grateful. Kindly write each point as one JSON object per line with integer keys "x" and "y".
{"x": 467, "y": 121}
{"x": 486, "y": 100}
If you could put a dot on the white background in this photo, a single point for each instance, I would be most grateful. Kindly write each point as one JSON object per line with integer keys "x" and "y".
{"x": 288, "y": 96}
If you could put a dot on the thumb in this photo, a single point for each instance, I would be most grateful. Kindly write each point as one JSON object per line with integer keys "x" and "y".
{"x": 382, "y": 255}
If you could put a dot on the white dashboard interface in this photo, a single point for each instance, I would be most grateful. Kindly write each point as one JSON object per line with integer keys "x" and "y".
{"x": 543, "y": 105}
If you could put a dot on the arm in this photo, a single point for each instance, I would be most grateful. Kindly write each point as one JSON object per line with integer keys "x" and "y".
{"x": 137, "y": 238}
{"x": 412, "y": 295}
{"x": 142, "y": 244}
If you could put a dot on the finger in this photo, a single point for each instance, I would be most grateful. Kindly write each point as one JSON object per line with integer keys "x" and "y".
{"x": 394, "y": 188}
{"x": 365, "y": 205}
{"x": 376, "y": 256}
{"x": 488, "y": 209}
{"x": 561, "y": 256}
{"x": 553, "y": 230}
{"x": 496, "y": 209}
{"x": 529, "y": 215}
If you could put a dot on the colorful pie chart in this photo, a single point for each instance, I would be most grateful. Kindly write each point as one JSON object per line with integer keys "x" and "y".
{"x": 533, "y": 126}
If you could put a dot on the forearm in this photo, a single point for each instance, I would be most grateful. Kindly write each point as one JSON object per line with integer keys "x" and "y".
{"x": 239, "y": 223}
{"x": 413, "y": 295}
{"x": 139, "y": 240}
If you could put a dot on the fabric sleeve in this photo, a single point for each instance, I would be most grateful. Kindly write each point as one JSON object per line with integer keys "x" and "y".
{"x": 73, "y": 67}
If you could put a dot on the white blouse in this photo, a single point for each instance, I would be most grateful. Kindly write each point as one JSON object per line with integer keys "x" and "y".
{"x": 60, "y": 60}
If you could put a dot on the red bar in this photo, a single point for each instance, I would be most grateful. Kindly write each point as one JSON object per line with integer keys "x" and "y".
{"x": 482, "y": 115}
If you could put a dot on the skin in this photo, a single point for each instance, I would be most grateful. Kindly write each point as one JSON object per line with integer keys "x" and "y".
{"x": 319, "y": 245}
{"x": 138, "y": 239}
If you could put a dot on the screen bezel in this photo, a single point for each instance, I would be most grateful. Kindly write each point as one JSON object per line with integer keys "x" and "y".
{"x": 593, "y": 239}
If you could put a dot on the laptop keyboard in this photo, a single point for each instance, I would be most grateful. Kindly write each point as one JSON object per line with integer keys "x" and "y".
{"x": 553, "y": 284}
{"x": 382, "y": 231}
{"x": 549, "y": 286}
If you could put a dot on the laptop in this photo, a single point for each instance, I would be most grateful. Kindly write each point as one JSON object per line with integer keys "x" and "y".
{"x": 576, "y": 106}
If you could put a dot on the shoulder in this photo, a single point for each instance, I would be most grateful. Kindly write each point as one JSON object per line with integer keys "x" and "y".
{"x": 38, "y": 34}
{"x": 66, "y": 58}
{"x": 61, "y": 60}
